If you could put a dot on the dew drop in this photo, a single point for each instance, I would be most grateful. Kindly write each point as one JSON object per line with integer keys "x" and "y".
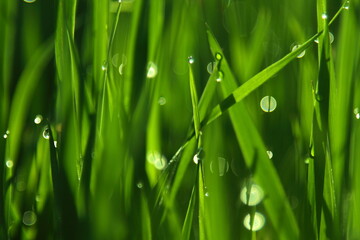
{"x": 9, "y": 163}
{"x": 318, "y": 97}
{"x": 5, "y": 136}
{"x": 220, "y": 76}
{"x": 220, "y": 166}
{"x": 38, "y": 119}
{"x": 157, "y": 159}
{"x": 55, "y": 144}
{"x": 347, "y": 5}
{"x": 104, "y": 66}
{"x": 251, "y": 195}
{"x": 46, "y": 133}
{"x": 331, "y": 37}
{"x": 115, "y": 60}
{"x": 7, "y": 132}
{"x": 357, "y": 113}
{"x": 29, "y": 218}
{"x": 270, "y": 154}
{"x": 196, "y": 159}
{"x": 210, "y": 67}
{"x": 121, "y": 68}
{"x": 296, "y": 47}
{"x": 307, "y": 160}
{"x": 324, "y": 16}
{"x": 162, "y": 101}
{"x": 151, "y": 70}
{"x": 29, "y": 1}
{"x": 268, "y": 104}
{"x": 191, "y": 59}
{"x": 218, "y": 56}
{"x": 207, "y": 194}
{"x": 198, "y": 156}
{"x": 257, "y": 224}
{"x": 139, "y": 185}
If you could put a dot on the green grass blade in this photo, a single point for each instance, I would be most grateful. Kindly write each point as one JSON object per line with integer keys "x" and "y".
{"x": 194, "y": 102}
{"x": 254, "y": 152}
{"x": 186, "y": 230}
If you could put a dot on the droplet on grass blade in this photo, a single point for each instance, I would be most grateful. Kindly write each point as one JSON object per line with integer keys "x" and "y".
{"x": 219, "y": 167}
{"x": 9, "y": 164}
{"x": 46, "y": 133}
{"x": 29, "y": 1}
{"x": 38, "y": 119}
{"x": 357, "y": 113}
{"x": 104, "y": 66}
{"x": 139, "y": 185}
{"x": 347, "y": 5}
{"x": 251, "y": 195}
{"x": 29, "y": 218}
{"x": 270, "y": 154}
{"x": 218, "y": 56}
{"x": 210, "y": 67}
{"x": 157, "y": 159}
{"x": 296, "y": 46}
{"x": 324, "y": 16}
{"x": 162, "y": 101}
{"x": 191, "y": 59}
{"x": 268, "y": 104}
{"x": 151, "y": 70}
{"x": 198, "y": 156}
{"x": 220, "y": 76}
{"x": 257, "y": 223}
{"x": 5, "y": 136}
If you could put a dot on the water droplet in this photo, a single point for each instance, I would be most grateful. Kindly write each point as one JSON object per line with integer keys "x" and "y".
{"x": 158, "y": 160}
{"x": 268, "y": 104}
{"x": 218, "y": 56}
{"x": 29, "y": 218}
{"x": 307, "y": 160}
{"x": 38, "y": 119}
{"x": 191, "y": 59}
{"x": 219, "y": 167}
{"x": 139, "y": 185}
{"x": 347, "y": 5}
{"x": 115, "y": 60}
{"x": 9, "y": 163}
{"x": 251, "y": 195}
{"x": 357, "y": 113}
{"x": 210, "y": 67}
{"x": 55, "y": 144}
{"x": 270, "y": 154}
{"x": 318, "y": 97}
{"x": 162, "y": 101}
{"x": 296, "y": 46}
{"x": 151, "y": 70}
{"x": 5, "y": 136}
{"x": 331, "y": 37}
{"x": 29, "y": 1}
{"x": 104, "y": 66}
{"x": 38, "y": 198}
{"x": 220, "y": 76}
{"x": 324, "y": 16}
{"x": 7, "y": 132}
{"x": 46, "y": 133}
{"x": 198, "y": 156}
{"x": 121, "y": 68}
{"x": 207, "y": 194}
{"x": 257, "y": 224}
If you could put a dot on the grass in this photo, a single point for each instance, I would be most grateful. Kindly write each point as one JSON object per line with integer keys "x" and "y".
{"x": 149, "y": 125}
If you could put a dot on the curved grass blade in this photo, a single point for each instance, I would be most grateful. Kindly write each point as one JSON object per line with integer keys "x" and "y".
{"x": 189, "y": 215}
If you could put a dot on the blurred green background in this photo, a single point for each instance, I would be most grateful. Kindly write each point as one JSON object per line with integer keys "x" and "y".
{"x": 96, "y": 114}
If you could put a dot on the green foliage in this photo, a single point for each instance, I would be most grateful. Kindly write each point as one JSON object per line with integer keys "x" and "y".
{"x": 148, "y": 125}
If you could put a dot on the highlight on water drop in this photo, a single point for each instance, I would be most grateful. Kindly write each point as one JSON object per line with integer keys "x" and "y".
{"x": 256, "y": 223}
{"x": 191, "y": 59}
{"x": 251, "y": 194}
{"x": 29, "y": 1}
{"x": 220, "y": 76}
{"x": 104, "y": 66}
{"x": 198, "y": 156}
{"x": 324, "y": 16}
{"x": 38, "y": 119}
{"x": 46, "y": 133}
{"x": 296, "y": 46}
{"x": 162, "y": 101}
{"x": 151, "y": 70}
{"x": 347, "y": 5}
{"x": 9, "y": 163}
{"x": 268, "y": 104}
{"x": 270, "y": 154}
{"x": 139, "y": 185}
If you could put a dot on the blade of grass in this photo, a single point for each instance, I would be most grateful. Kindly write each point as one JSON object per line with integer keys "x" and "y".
{"x": 186, "y": 230}
{"x": 254, "y": 152}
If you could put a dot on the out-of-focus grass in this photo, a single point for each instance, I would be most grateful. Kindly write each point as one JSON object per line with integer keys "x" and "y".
{"x": 102, "y": 120}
